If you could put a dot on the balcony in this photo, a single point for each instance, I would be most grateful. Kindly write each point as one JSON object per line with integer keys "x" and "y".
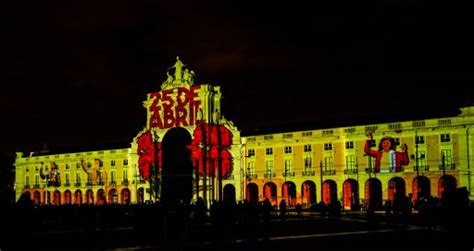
{"x": 229, "y": 177}
{"x": 36, "y": 186}
{"x": 89, "y": 183}
{"x": 308, "y": 173}
{"x": 101, "y": 183}
{"x": 269, "y": 175}
{"x": 125, "y": 182}
{"x": 288, "y": 174}
{"x": 77, "y": 184}
{"x": 329, "y": 172}
{"x": 67, "y": 184}
{"x": 142, "y": 181}
{"x": 26, "y": 186}
{"x": 350, "y": 171}
{"x": 422, "y": 168}
{"x": 113, "y": 183}
{"x": 251, "y": 176}
{"x": 451, "y": 166}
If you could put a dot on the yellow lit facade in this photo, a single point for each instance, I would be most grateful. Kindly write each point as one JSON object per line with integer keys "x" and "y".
{"x": 301, "y": 167}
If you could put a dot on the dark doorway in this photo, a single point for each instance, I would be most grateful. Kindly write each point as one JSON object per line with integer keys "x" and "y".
{"x": 373, "y": 193}
{"x": 350, "y": 194}
{"x": 396, "y": 186}
{"x": 446, "y": 184}
{"x": 252, "y": 193}
{"x": 177, "y": 170}
{"x": 421, "y": 188}
{"x": 329, "y": 192}
{"x": 229, "y": 193}
{"x": 308, "y": 193}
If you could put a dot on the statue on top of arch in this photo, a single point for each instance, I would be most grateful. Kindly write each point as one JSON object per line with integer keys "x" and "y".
{"x": 180, "y": 78}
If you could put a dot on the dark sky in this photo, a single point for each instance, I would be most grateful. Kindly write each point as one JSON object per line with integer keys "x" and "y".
{"x": 76, "y": 72}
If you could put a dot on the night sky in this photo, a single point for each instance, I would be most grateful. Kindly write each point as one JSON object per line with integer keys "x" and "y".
{"x": 76, "y": 72}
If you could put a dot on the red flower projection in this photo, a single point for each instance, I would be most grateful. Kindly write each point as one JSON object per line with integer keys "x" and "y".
{"x": 146, "y": 151}
{"x": 218, "y": 139}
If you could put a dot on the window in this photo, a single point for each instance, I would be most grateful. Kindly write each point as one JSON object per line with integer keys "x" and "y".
{"x": 27, "y": 169}
{"x": 328, "y": 146}
{"x": 349, "y": 144}
{"x": 37, "y": 178}
{"x": 421, "y": 159}
{"x": 288, "y": 149}
{"x": 288, "y": 166}
{"x": 67, "y": 178}
{"x": 27, "y": 180}
{"x": 125, "y": 175}
{"x": 251, "y": 152}
{"x": 67, "y": 166}
{"x": 78, "y": 178}
{"x": 306, "y": 134}
{"x": 288, "y": 136}
{"x": 269, "y": 151}
{"x": 445, "y": 137}
{"x": 397, "y": 141}
{"x": 78, "y": 165}
{"x": 446, "y": 158}
{"x": 420, "y": 140}
{"x": 112, "y": 163}
{"x": 420, "y": 123}
{"x": 268, "y": 137}
{"x": 328, "y": 163}
{"x": 308, "y": 162}
{"x": 328, "y": 132}
{"x": 350, "y": 162}
{"x": 251, "y": 168}
{"x": 307, "y": 148}
{"x": 125, "y": 162}
{"x": 112, "y": 177}
{"x": 269, "y": 166}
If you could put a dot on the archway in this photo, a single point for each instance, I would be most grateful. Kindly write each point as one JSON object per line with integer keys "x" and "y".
{"x": 288, "y": 192}
{"x": 329, "y": 192}
{"x": 229, "y": 193}
{"x": 27, "y": 194}
{"x": 56, "y": 198}
{"x": 67, "y": 197}
{"x": 46, "y": 197}
{"x": 113, "y": 196}
{"x": 177, "y": 170}
{"x": 125, "y": 196}
{"x": 373, "y": 193}
{"x": 270, "y": 192}
{"x": 36, "y": 198}
{"x": 89, "y": 197}
{"x": 446, "y": 184}
{"x": 350, "y": 194}
{"x": 100, "y": 197}
{"x": 140, "y": 196}
{"x": 78, "y": 197}
{"x": 252, "y": 193}
{"x": 396, "y": 187}
{"x": 308, "y": 193}
{"x": 421, "y": 188}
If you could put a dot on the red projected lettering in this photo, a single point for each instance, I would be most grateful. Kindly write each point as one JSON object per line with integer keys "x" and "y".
{"x": 171, "y": 109}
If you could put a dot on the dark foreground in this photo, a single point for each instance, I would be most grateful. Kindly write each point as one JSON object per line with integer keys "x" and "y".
{"x": 145, "y": 228}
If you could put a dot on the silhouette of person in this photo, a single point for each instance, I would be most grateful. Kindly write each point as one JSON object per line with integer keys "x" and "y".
{"x": 282, "y": 207}
{"x": 387, "y": 159}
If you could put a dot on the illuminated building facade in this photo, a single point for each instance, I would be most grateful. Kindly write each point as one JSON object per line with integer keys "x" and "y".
{"x": 300, "y": 167}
